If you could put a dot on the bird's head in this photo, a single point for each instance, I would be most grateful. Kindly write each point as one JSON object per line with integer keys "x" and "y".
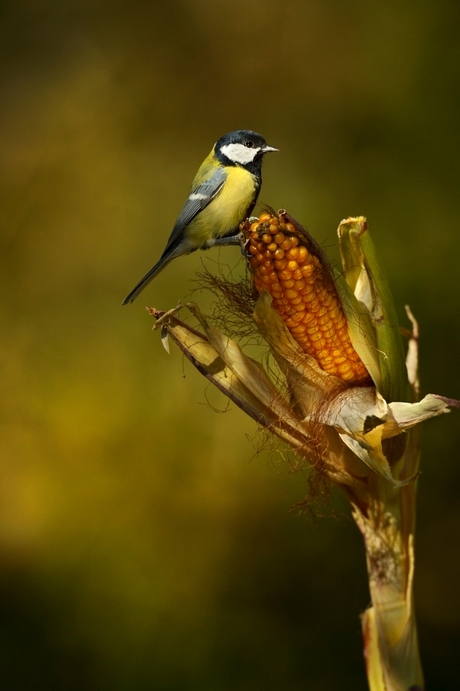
{"x": 242, "y": 148}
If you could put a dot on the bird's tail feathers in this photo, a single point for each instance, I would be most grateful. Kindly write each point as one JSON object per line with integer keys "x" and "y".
{"x": 143, "y": 283}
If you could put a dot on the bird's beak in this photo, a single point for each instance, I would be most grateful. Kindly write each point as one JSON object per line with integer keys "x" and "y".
{"x": 267, "y": 149}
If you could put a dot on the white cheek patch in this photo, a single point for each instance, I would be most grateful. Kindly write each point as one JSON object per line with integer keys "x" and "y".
{"x": 238, "y": 153}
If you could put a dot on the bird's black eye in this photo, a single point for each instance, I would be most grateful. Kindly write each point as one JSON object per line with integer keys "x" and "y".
{"x": 249, "y": 143}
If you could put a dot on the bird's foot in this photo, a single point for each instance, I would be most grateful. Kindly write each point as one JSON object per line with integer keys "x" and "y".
{"x": 244, "y": 244}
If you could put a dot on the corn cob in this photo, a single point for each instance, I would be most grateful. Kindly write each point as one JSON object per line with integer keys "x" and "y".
{"x": 286, "y": 263}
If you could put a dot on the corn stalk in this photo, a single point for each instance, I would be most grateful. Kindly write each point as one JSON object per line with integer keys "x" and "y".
{"x": 349, "y": 400}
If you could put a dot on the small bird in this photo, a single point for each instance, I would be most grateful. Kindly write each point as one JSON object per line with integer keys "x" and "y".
{"x": 223, "y": 194}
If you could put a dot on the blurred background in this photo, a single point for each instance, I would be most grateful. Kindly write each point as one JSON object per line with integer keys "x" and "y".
{"x": 143, "y": 542}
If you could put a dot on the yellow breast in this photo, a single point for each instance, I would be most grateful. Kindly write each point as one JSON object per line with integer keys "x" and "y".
{"x": 227, "y": 210}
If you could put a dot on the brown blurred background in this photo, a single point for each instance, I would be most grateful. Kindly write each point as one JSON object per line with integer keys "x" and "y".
{"x": 142, "y": 544}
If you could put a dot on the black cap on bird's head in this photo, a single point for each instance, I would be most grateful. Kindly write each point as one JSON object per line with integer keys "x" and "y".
{"x": 242, "y": 147}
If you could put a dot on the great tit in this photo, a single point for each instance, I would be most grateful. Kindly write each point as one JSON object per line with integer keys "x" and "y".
{"x": 223, "y": 194}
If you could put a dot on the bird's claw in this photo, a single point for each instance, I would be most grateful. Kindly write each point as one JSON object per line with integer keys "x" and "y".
{"x": 244, "y": 242}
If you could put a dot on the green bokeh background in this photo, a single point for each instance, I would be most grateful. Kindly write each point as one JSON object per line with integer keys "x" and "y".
{"x": 143, "y": 544}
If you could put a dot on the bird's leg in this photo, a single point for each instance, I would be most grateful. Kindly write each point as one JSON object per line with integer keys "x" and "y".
{"x": 226, "y": 240}
{"x": 231, "y": 240}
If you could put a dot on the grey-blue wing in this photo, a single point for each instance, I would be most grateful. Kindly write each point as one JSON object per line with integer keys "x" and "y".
{"x": 197, "y": 200}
